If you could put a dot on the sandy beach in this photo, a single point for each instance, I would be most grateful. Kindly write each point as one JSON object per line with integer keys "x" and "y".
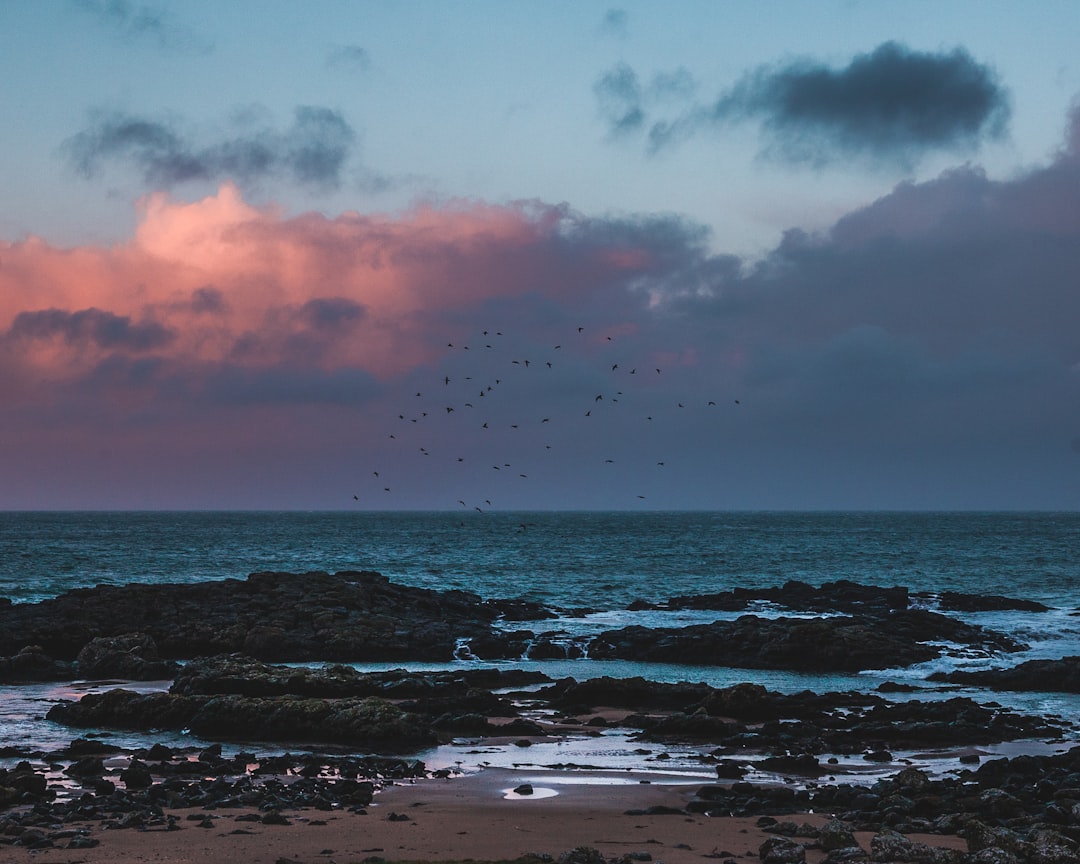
{"x": 467, "y": 817}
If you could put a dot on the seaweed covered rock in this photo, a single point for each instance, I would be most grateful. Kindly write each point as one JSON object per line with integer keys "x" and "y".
{"x": 369, "y": 723}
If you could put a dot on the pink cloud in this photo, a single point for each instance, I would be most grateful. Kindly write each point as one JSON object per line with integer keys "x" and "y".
{"x": 232, "y": 283}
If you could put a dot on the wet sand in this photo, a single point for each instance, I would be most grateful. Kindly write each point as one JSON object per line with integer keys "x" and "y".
{"x": 448, "y": 819}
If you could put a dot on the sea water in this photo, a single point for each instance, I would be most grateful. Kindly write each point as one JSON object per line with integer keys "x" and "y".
{"x": 593, "y": 563}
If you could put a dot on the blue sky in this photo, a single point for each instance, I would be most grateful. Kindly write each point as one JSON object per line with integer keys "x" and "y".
{"x": 856, "y": 219}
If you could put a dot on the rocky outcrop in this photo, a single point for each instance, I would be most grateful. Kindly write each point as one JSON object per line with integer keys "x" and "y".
{"x": 366, "y": 723}
{"x": 840, "y": 596}
{"x": 842, "y": 644}
{"x": 131, "y": 656}
{"x": 1051, "y": 676}
{"x": 238, "y": 674}
{"x": 32, "y": 664}
{"x": 358, "y": 616}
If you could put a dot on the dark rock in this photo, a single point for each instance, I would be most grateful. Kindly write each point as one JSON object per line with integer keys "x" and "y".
{"x": 850, "y": 644}
{"x": 781, "y": 850}
{"x": 32, "y": 664}
{"x": 803, "y": 764}
{"x": 349, "y": 616}
{"x": 136, "y": 775}
{"x": 131, "y": 656}
{"x": 835, "y": 834}
{"x": 371, "y": 723}
{"x": 951, "y": 601}
{"x": 1053, "y": 676}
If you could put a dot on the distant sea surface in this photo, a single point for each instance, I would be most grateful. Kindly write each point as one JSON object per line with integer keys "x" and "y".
{"x": 596, "y": 561}
{"x": 602, "y": 560}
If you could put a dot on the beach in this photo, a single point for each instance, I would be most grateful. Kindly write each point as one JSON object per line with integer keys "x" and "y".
{"x": 454, "y": 819}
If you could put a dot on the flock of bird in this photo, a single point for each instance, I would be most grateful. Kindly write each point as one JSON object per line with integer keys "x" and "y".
{"x": 468, "y": 393}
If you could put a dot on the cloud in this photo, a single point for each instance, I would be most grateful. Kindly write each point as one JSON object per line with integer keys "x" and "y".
{"x": 889, "y": 107}
{"x": 619, "y": 96}
{"x": 625, "y": 104}
{"x": 925, "y": 342}
{"x": 143, "y": 22}
{"x": 312, "y": 152}
{"x": 349, "y": 57}
{"x": 615, "y": 23}
{"x": 89, "y": 326}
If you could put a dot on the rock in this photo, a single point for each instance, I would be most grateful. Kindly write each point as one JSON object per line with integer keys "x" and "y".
{"x": 131, "y": 656}
{"x": 835, "y": 834}
{"x": 582, "y": 855}
{"x": 32, "y": 664}
{"x": 889, "y": 845}
{"x": 1054, "y": 676}
{"x": 348, "y": 616}
{"x": 369, "y": 723}
{"x": 136, "y": 775}
{"x": 1052, "y": 847}
{"x": 852, "y": 644}
{"x": 524, "y": 789}
{"x": 803, "y": 764}
{"x": 781, "y": 850}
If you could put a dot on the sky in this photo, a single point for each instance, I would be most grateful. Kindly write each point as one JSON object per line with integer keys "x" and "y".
{"x": 539, "y": 255}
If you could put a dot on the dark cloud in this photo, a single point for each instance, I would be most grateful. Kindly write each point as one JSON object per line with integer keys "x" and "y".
{"x": 90, "y": 326}
{"x": 146, "y": 23}
{"x": 349, "y": 57}
{"x": 331, "y": 313}
{"x": 312, "y": 152}
{"x": 890, "y": 106}
{"x": 208, "y": 300}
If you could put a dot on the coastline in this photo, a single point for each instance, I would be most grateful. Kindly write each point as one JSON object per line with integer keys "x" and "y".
{"x": 466, "y": 817}
{"x": 472, "y": 761}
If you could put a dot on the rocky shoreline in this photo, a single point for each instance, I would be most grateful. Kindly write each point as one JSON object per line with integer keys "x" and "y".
{"x": 774, "y": 755}
{"x": 134, "y": 631}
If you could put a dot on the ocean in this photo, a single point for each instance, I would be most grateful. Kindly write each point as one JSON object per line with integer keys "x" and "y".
{"x": 593, "y": 562}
